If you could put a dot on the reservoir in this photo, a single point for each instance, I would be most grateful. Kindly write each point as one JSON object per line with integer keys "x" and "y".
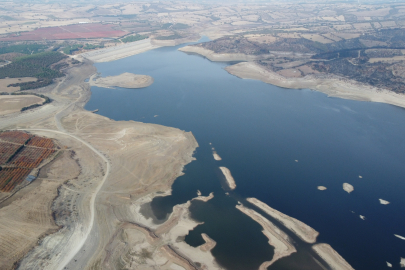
{"x": 280, "y": 145}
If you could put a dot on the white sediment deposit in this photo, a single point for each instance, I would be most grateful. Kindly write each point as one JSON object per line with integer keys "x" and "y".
{"x": 400, "y": 237}
{"x": 347, "y": 187}
{"x": 209, "y": 243}
{"x": 228, "y": 177}
{"x": 321, "y": 188}
{"x": 277, "y": 238}
{"x": 124, "y": 80}
{"x": 302, "y": 230}
{"x": 384, "y": 201}
{"x": 331, "y": 85}
{"x": 388, "y": 264}
{"x": 216, "y": 156}
{"x": 331, "y": 257}
{"x": 402, "y": 262}
{"x": 204, "y": 198}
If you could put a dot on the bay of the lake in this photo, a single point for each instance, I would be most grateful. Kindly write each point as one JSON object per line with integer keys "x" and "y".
{"x": 279, "y": 144}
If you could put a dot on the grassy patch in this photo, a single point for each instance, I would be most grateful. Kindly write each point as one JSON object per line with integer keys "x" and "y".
{"x": 133, "y": 38}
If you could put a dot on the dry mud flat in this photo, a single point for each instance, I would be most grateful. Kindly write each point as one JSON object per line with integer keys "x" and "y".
{"x": 14, "y": 103}
{"x": 124, "y": 80}
{"x": 330, "y": 85}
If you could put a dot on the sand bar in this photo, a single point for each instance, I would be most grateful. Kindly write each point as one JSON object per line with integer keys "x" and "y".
{"x": 119, "y": 51}
{"x": 277, "y": 238}
{"x": 400, "y": 237}
{"x": 362, "y": 217}
{"x": 124, "y": 80}
{"x": 209, "y": 243}
{"x": 329, "y": 84}
{"x": 216, "y": 156}
{"x": 302, "y": 230}
{"x": 321, "y": 188}
{"x": 331, "y": 257}
{"x": 204, "y": 198}
{"x": 389, "y": 264}
{"x": 402, "y": 262}
{"x": 348, "y": 188}
{"x": 229, "y": 178}
{"x": 384, "y": 201}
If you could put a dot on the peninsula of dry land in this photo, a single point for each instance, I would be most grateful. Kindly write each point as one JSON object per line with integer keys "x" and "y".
{"x": 124, "y": 80}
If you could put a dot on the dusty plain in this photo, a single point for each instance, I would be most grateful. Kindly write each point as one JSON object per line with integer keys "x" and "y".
{"x": 14, "y": 103}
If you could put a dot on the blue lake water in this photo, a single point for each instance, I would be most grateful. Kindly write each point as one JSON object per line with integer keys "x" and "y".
{"x": 259, "y": 130}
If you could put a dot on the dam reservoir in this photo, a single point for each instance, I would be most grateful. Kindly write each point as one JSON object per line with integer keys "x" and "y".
{"x": 280, "y": 145}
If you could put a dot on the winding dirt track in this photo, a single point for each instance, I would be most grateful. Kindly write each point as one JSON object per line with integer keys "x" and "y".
{"x": 70, "y": 255}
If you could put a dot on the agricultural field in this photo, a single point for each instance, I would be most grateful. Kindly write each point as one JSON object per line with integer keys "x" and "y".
{"x": 14, "y": 137}
{"x": 30, "y": 157}
{"x": 7, "y": 150}
{"x": 75, "y": 31}
{"x": 11, "y": 177}
{"x": 18, "y": 157}
{"x": 41, "y": 142}
{"x": 16, "y": 103}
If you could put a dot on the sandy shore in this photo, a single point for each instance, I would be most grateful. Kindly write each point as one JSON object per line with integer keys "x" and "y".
{"x": 331, "y": 85}
{"x": 402, "y": 262}
{"x": 209, "y": 243}
{"x": 229, "y": 178}
{"x": 321, "y": 188}
{"x": 348, "y": 188}
{"x": 218, "y": 57}
{"x": 302, "y": 230}
{"x": 124, "y": 80}
{"x": 119, "y": 51}
{"x": 277, "y": 238}
{"x": 334, "y": 260}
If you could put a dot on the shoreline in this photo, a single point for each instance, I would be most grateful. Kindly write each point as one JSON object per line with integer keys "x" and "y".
{"x": 219, "y": 57}
{"x": 331, "y": 85}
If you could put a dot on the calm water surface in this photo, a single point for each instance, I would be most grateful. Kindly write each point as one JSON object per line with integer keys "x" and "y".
{"x": 260, "y": 131}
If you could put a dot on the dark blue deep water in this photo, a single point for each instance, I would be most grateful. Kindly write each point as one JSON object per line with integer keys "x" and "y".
{"x": 259, "y": 130}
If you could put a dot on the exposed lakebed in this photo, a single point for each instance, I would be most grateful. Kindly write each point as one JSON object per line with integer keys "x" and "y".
{"x": 280, "y": 145}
